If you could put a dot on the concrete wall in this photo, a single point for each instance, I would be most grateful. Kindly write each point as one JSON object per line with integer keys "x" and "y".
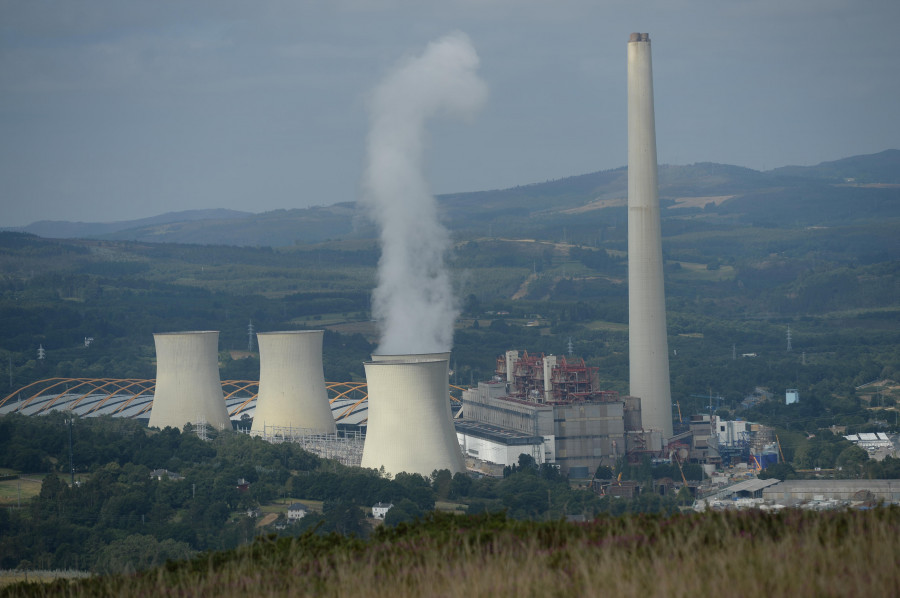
{"x": 886, "y": 490}
{"x": 484, "y": 404}
{"x": 585, "y": 433}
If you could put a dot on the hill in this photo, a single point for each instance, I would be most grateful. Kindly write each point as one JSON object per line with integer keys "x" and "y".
{"x": 702, "y": 196}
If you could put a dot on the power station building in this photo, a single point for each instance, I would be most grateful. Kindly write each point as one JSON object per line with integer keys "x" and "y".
{"x": 292, "y": 394}
{"x": 188, "y": 388}
{"x": 648, "y": 350}
{"x": 548, "y": 408}
{"x": 410, "y": 427}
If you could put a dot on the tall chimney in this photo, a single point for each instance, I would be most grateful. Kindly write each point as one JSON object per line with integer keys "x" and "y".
{"x": 647, "y": 344}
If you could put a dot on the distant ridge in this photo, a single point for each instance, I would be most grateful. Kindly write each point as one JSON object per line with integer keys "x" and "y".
{"x": 856, "y": 189}
{"x": 61, "y": 229}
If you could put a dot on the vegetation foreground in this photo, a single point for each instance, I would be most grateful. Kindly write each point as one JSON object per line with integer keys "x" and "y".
{"x": 795, "y": 553}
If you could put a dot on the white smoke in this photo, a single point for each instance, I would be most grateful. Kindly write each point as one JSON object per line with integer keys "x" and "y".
{"x": 413, "y": 302}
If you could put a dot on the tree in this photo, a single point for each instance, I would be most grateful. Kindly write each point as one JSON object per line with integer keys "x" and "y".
{"x": 779, "y": 471}
{"x": 404, "y": 510}
{"x": 851, "y": 460}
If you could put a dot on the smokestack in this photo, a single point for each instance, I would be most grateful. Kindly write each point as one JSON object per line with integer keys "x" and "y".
{"x": 292, "y": 383}
{"x": 188, "y": 388}
{"x": 647, "y": 343}
{"x": 410, "y": 426}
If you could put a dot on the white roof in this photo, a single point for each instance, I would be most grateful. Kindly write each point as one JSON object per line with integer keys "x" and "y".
{"x": 752, "y": 485}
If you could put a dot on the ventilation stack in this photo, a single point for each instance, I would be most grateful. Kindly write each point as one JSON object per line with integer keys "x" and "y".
{"x": 410, "y": 426}
{"x": 648, "y": 350}
{"x": 188, "y": 388}
{"x": 292, "y": 393}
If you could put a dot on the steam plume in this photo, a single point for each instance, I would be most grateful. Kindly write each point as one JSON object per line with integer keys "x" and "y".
{"x": 413, "y": 302}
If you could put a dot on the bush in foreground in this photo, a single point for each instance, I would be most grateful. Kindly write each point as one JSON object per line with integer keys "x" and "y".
{"x": 751, "y": 554}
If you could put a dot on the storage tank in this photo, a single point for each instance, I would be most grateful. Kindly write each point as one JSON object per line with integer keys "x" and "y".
{"x": 292, "y": 392}
{"x": 410, "y": 427}
{"x": 188, "y": 387}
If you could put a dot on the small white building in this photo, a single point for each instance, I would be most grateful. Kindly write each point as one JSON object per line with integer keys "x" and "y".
{"x": 730, "y": 433}
{"x": 380, "y": 509}
{"x": 297, "y": 511}
{"x": 791, "y": 396}
{"x": 871, "y": 441}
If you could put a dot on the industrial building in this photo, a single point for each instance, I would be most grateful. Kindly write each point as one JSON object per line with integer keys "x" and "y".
{"x": 648, "y": 351}
{"x": 188, "y": 388}
{"x": 790, "y": 491}
{"x": 548, "y": 408}
{"x": 410, "y": 427}
{"x": 292, "y": 391}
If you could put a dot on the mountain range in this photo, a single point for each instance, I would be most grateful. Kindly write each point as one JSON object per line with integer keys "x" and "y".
{"x": 858, "y": 189}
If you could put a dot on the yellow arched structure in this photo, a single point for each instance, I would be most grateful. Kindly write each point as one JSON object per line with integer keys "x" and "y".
{"x": 75, "y": 390}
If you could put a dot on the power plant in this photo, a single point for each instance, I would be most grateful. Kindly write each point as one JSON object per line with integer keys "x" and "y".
{"x": 292, "y": 391}
{"x": 188, "y": 388}
{"x": 551, "y": 409}
{"x": 648, "y": 350}
{"x": 410, "y": 427}
{"x": 545, "y": 406}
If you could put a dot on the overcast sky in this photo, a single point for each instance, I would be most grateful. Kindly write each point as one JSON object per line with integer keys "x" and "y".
{"x": 121, "y": 109}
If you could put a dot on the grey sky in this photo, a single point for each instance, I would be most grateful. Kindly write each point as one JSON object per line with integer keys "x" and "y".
{"x": 112, "y": 109}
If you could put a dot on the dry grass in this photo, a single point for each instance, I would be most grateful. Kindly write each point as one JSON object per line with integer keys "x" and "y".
{"x": 794, "y": 554}
{"x": 12, "y": 491}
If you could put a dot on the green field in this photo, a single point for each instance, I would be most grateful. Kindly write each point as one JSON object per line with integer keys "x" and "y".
{"x": 24, "y": 488}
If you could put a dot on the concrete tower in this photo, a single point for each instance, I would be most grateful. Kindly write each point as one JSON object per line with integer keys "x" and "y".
{"x": 647, "y": 345}
{"x": 410, "y": 426}
{"x": 414, "y": 357}
{"x": 292, "y": 383}
{"x": 188, "y": 388}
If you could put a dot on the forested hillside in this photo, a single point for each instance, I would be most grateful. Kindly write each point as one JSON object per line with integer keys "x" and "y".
{"x": 541, "y": 268}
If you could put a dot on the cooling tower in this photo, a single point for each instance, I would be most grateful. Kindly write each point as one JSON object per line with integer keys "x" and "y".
{"x": 414, "y": 357}
{"x": 188, "y": 388}
{"x": 410, "y": 427}
{"x": 647, "y": 345}
{"x": 292, "y": 383}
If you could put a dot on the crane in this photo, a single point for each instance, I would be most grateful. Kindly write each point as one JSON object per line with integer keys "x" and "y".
{"x": 683, "y": 479}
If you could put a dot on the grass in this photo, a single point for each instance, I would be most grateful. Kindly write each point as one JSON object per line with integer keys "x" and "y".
{"x": 795, "y": 554}
{"x": 602, "y": 326}
{"x": 693, "y": 271}
{"x": 10, "y": 490}
{"x": 14, "y": 576}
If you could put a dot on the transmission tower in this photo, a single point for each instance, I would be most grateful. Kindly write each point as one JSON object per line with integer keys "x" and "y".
{"x": 571, "y": 347}
{"x": 41, "y": 352}
{"x": 250, "y": 331}
{"x": 789, "y": 338}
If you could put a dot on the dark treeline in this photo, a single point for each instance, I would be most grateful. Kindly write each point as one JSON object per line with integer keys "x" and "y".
{"x": 120, "y": 517}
